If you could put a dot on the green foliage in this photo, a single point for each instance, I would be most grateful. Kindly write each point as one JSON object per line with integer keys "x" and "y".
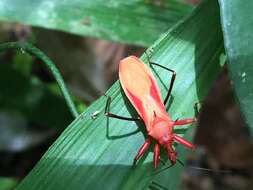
{"x": 23, "y": 63}
{"x": 237, "y": 23}
{"x": 29, "y": 111}
{"x": 32, "y": 99}
{"x": 137, "y": 22}
{"x": 98, "y": 153}
{"x": 48, "y": 62}
{"x": 7, "y": 183}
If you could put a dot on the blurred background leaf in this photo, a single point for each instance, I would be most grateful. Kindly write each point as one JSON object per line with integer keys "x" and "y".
{"x": 7, "y": 183}
{"x": 24, "y": 102}
{"x": 98, "y": 153}
{"x": 138, "y": 22}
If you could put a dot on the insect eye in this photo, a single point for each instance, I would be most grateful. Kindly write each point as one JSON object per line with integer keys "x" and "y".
{"x": 165, "y": 137}
{"x": 165, "y": 140}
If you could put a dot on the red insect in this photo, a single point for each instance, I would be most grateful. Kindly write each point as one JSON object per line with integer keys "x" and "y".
{"x": 142, "y": 90}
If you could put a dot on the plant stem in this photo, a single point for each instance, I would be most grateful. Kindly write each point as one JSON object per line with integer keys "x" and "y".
{"x": 50, "y": 64}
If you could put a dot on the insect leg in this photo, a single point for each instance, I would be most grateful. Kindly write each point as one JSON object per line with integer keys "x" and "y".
{"x": 142, "y": 150}
{"x": 184, "y": 142}
{"x": 188, "y": 120}
{"x": 185, "y": 121}
{"x": 109, "y": 114}
{"x": 171, "y": 81}
{"x": 156, "y": 155}
{"x": 172, "y": 154}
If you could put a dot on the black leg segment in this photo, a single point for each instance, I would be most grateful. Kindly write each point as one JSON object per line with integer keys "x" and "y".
{"x": 109, "y": 114}
{"x": 171, "y": 81}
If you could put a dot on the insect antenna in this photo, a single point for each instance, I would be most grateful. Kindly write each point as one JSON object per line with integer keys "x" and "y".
{"x": 210, "y": 170}
{"x": 194, "y": 167}
{"x": 161, "y": 170}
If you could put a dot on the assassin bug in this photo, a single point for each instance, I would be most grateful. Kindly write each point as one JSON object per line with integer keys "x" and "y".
{"x": 140, "y": 87}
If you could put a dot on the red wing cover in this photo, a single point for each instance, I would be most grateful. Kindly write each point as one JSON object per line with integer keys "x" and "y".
{"x": 141, "y": 89}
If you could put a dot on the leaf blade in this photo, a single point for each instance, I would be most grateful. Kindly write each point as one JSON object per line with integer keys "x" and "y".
{"x": 134, "y": 21}
{"x": 85, "y": 156}
{"x": 238, "y": 37}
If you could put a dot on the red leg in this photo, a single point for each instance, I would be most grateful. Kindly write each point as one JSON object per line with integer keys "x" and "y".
{"x": 156, "y": 155}
{"x": 142, "y": 150}
{"x": 184, "y": 142}
{"x": 185, "y": 121}
{"x": 172, "y": 155}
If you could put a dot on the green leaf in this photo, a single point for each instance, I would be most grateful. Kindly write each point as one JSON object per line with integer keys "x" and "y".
{"x": 137, "y": 22}
{"x": 7, "y": 183}
{"x": 98, "y": 153}
{"x": 237, "y": 24}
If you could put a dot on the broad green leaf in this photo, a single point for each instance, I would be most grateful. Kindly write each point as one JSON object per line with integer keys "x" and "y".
{"x": 237, "y": 24}
{"x": 137, "y": 22}
{"x": 98, "y": 153}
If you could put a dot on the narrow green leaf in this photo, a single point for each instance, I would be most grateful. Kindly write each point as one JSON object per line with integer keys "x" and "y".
{"x": 137, "y": 22}
{"x": 98, "y": 153}
{"x": 237, "y": 23}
